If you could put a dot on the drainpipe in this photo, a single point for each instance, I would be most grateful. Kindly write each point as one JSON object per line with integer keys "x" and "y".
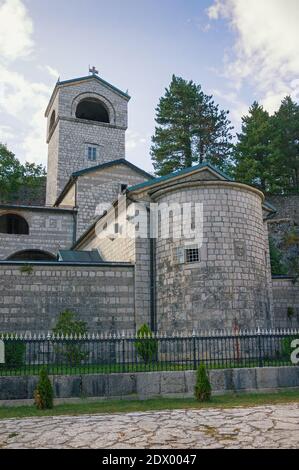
{"x": 75, "y": 214}
{"x": 153, "y": 285}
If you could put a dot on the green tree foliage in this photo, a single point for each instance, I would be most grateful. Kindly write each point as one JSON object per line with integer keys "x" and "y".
{"x": 146, "y": 346}
{"x": 285, "y": 145}
{"x": 43, "y": 394}
{"x": 191, "y": 129}
{"x": 15, "y": 176}
{"x": 291, "y": 240}
{"x": 286, "y": 346}
{"x": 277, "y": 266}
{"x": 203, "y": 387}
{"x": 70, "y": 351}
{"x": 267, "y": 152}
{"x": 14, "y": 352}
{"x": 252, "y": 152}
{"x": 68, "y": 324}
{"x": 10, "y": 174}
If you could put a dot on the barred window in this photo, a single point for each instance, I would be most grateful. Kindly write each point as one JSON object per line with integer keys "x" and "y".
{"x": 191, "y": 255}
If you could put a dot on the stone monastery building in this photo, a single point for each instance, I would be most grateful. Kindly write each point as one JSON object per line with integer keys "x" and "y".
{"x": 74, "y": 252}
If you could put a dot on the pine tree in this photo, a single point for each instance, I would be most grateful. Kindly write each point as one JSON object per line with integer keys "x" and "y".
{"x": 191, "y": 129}
{"x": 252, "y": 153}
{"x": 43, "y": 394}
{"x": 203, "y": 387}
{"x": 285, "y": 145}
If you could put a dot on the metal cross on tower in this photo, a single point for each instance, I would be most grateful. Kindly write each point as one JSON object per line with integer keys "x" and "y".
{"x": 93, "y": 70}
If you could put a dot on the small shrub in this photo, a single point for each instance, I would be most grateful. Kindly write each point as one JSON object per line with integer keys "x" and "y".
{"x": 43, "y": 394}
{"x": 202, "y": 387}
{"x": 69, "y": 324}
{"x": 147, "y": 346}
{"x": 290, "y": 312}
{"x": 286, "y": 348}
{"x": 277, "y": 265}
{"x": 26, "y": 269}
{"x": 14, "y": 353}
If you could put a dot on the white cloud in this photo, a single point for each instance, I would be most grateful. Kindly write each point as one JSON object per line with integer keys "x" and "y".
{"x": 16, "y": 30}
{"x": 50, "y": 70}
{"x": 265, "y": 52}
{"x": 25, "y": 101}
{"x": 21, "y": 100}
{"x": 6, "y": 132}
{"x": 134, "y": 139}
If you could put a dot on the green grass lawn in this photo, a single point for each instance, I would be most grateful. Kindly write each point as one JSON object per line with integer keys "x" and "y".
{"x": 121, "y": 406}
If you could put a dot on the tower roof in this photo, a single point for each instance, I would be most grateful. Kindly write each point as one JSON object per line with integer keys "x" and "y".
{"x": 61, "y": 84}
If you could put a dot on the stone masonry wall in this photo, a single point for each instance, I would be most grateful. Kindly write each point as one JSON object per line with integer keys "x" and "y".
{"x": 145, "y": 385}
{"x": 49, "y": 230}
{"x": 132, "y": 249}
{"x": 101, "y": 295}
{"x": 286, "y": 302}
{"x": 69, "y": 155}
{"x": 286, "y": 220}
{"x": 286, "y": 206}
{"x": 100, "y": 187}
{"x": 52, "y": 166}
{"x": 228, "y": 287}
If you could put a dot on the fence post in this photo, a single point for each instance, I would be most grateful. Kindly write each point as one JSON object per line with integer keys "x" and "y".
{"x": 194, "y": 349}
{"x": 123, "y": 351}
{"x": 259, "y": 347}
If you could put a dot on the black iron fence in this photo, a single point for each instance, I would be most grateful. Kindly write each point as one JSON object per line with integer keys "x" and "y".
{"x": 107, "y": 353}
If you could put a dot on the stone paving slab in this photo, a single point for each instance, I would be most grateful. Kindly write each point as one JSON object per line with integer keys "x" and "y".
{"x": 271, "y": 426}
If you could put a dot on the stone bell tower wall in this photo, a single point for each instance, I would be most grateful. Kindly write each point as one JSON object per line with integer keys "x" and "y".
{"x": 69, "y": 136}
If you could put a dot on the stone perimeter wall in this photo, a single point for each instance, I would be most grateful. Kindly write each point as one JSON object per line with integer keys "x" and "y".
{"x": 144, "y": 385}
{"x": 101, "y": 295}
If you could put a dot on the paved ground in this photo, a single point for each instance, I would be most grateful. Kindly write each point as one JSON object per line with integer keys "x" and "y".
{"x": 257, "y": 427}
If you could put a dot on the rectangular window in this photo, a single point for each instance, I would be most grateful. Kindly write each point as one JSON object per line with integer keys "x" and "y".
{"x": 92, "y": 153}
{"x": 191, "y": 255}
{"x": 179, "y": 255}
{"x": 183, "y": 254}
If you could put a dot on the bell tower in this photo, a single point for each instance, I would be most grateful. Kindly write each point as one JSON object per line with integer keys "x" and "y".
{"x": 86, "y": 125}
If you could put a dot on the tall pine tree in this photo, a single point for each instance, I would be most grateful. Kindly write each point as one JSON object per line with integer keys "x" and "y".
{"x": 267, "y": 152}
{"x": 252, "y": 153}
{"x": 191, "y": 129}
{"x": 285, "y": 145}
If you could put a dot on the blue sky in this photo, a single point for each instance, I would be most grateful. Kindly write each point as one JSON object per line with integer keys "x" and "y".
{"x": 236, "y": 53}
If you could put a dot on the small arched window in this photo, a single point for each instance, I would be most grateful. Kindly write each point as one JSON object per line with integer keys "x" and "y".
{"x": 13, "y": 224}
{"x": 52, "y": 120}
{"x": 32, "y": 255}
{"x": 92, "y": 110}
